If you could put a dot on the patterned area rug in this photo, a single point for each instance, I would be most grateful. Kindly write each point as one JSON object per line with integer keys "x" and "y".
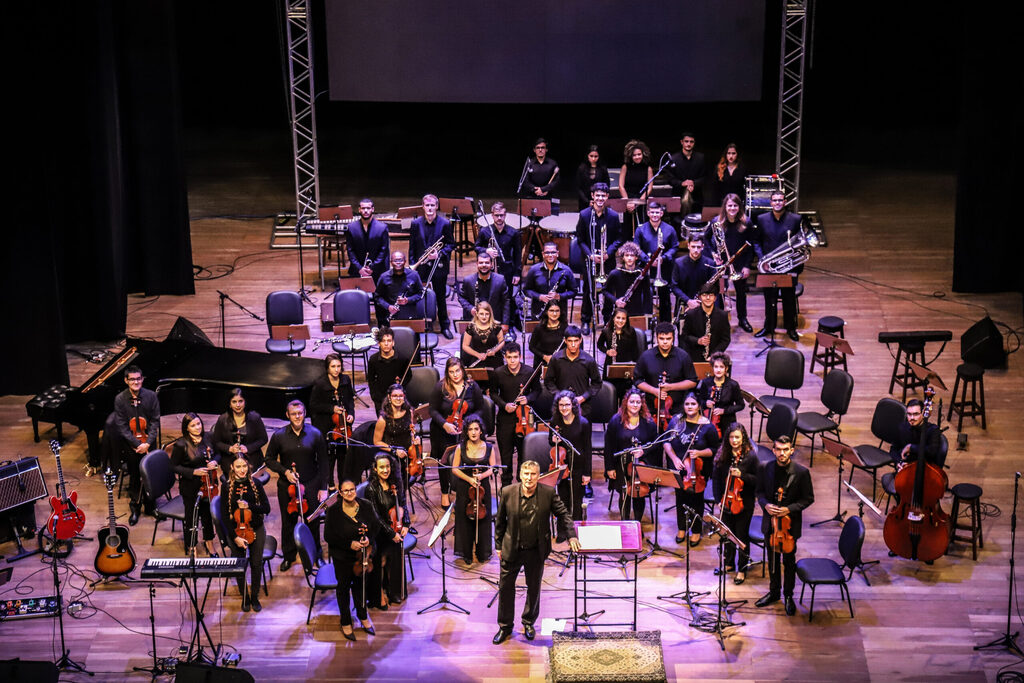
{"x": 625, "y": 656}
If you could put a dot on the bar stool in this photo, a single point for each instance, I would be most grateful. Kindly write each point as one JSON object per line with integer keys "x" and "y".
{"x": 973, "y": 375}
{"x": 969, "y": 494}
{"x": 829, "y": 358}
{"x": 902, "y": 374}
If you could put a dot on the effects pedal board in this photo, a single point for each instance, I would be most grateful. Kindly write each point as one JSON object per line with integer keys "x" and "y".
{"x": 27, "y": 608}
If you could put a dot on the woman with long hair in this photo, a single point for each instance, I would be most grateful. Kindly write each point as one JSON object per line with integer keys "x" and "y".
{"x": 352, "y": 528}
{"x": 590, "y": 171}
{"x": 736, "y": 230}
{"x": 696, "y": 439}
{"x": 245, "y": 493}
{"x": 549, "y": 333}
{"x": 394, "y": 430}
{"x": 195, "y": 462}
{"x": 627, "y": 429}
{"x": 634, "y": 176}
{"x": 730, "y": 175}
{"x": 719, "y": 394}
{"x": 736, "y": 459}
{"x": 471, "y": 466}
{"x": 571, "y": 426}
{"x": 483, "y": 338}
{"x": 387, "y": 495}
{"x": 331, "y": 409}
{"x": 621, "y": 278}
{"x": 453, "y": 400}
{"x": 240, "y": 432}
{"x": 621, "y": 344}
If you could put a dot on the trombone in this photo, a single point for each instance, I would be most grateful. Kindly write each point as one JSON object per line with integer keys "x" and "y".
{"x": 492, "y": 243}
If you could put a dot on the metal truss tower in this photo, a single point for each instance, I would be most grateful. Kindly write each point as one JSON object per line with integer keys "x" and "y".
{"x": 302, "y": 110}
{"x": 792, "y": 57}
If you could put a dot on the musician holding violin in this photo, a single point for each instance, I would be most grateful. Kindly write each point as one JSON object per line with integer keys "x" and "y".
{"x": 351, "y": 530}
{"x": 735, "y": 482}
{"x": 515, "y": 387}
{"x": 298, "y": 454}
{"x": 719, "y": 395}
{"x": 134, "y": 428}
{"x": 471, "y": 465}
{"x": 570, "y": 425}
{"x": 395, "y": 432}
{"x": 332, "y": 411}
{"x": 239, "y": 432}
{"x": 784, "y": 490}
{"x": 387, "y": 494}
{"x": 452, "y": 401}
{"x": 631, "y": 426}
{"x": 690, "y": 452}
{"x": 198, "y": 468}
{"x": 243, "y": 508}
{"x": 666, "y": 371}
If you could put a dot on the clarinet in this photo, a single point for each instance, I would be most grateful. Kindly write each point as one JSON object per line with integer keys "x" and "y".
{"x": 707, "y": 333}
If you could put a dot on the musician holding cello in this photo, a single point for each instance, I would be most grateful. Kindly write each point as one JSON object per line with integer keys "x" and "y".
{"x": 298, "y": 454}
{"x": 735, "y": 482}
{"x": 690, "y": 452}
{"x": 243, "y": 507}
{"x": 452, "y": 401}
{"x": 515, "y": 387}
{"x": 905, "y": 447}
{"x": 350, "y": 531}
{"x": 471, "y": 466}
{"x": 387, "y": 494}
{"x": 332, "y": 411}
{"x": 570, "y": 425}
{"x": 784, "y": 490}
{"x": 631, "y": 426}
{"x": 198, "y": 468}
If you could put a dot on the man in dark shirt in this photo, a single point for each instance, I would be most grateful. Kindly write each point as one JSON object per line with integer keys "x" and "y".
{"x": 134, "y": 405}
{"x": 426, "y": 231}
{"x": 485, "y": 285}
{"x": 574, "y": 369}
{"x": 696, "y": 338}
{"x": 690, "y": 272}
{"x": 384, "y": 368}
{"x": 549, "y": 280}
{"x": 649, "y": 236}
{"x": 595, "y": 219}
{"x": 507, "y": 258}
{"x": 522, "y": 537}
{"x": 368, "y": 244}
{"x": 906, "y": 446}
{"x": 541, "y": 177}
{"x": 774, "y": 229}
{"x": 398, "y": 293}
{"x": 687, "y": 173}
{"x": 667, "y": 366}
{"x": 512, "y": 385}
{"x": 303, "y": 445}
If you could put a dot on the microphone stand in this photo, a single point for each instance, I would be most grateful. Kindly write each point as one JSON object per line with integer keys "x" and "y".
{"x": 299, "y": 225}
{"x": 1008, "y": 641}
{"x": 224, "y": 297}
{"x": 65, "y": 663}
{"x": 721, "y": 621}
{"x": 193, "y": 592}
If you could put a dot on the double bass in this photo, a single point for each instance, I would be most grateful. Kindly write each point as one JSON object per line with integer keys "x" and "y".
{"x": 917, "y": 528}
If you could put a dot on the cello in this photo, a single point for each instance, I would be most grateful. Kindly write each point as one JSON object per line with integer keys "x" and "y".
{"x": 713, "y": 396}
{"x": 917, "y": 528}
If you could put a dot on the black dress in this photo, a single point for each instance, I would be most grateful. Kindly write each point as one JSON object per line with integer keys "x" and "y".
{"x": 739, "y": 523}
{"x": 482, "y": 343}
{"x": 472, "y": 535}
{"x": 570, "y": 488}
{"x": 544, "y": 340}
{"x": 586, "y": 176}
{"x": 185, "y": 458}
{"x": 339, "y": 532}
{"x": 440, "y": 409}
{"x": 252, "y": 434}
{"x": 617, "y": 437}
{"x": 706, "y": 437}
{"x": 387, "y": 573}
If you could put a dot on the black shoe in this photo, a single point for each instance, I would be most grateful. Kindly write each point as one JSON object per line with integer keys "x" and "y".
{"x": 133, "y": 519}
{"x": 892, "y": 554}
{"x": 767, "y": 599}
{"x": 744, "y": 325}
{"x": 446, "y": 330}
{"x": 529, "y": 631}
{"x": 586, "y": 329}
{"x": 790, "y": 606}
{"x": 728, "y": 570}
{"x": 369, "y": 629}
{"x": 413, "y": 531}
{"x": 763, "y": 332}
{"x": 245, "y": 604}
{"x": 588, "y": 491}
{"x": 256, "y": 606}
{"x": 501, "y": 636}
{"x": 349, "y": 636}
{"x": 286, "y": 565}
{"x": 794, "y": 335}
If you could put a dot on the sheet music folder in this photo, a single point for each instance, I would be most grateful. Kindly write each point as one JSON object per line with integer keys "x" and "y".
{"x": 622, "y": 537}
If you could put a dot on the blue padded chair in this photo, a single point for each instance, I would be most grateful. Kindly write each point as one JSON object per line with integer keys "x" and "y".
{"x": 285, "y": 308}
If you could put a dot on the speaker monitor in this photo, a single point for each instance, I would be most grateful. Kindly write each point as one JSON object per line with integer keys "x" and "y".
{"x": 982, "y": 345}
{"x": 187, "y": 331}
{"x": 205, "y": 673}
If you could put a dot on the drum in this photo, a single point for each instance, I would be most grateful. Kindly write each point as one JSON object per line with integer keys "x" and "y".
{"x": 513, "y": 219}
{"x": 560, "y": 230}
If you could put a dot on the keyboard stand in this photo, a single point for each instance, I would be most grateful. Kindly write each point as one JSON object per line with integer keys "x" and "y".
{"x": 191, "y": 584}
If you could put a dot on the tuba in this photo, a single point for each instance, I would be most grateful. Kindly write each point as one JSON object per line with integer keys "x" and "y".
{"x": 790, "y": 254}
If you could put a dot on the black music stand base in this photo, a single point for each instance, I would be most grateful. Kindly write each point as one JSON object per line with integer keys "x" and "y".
{"x": 443, "y": 602}
{"x": 718, "y": 623}
{"x": 838, "y": 517}
{"x": 1008, "y": 641}
{"x": 686, "y": 595}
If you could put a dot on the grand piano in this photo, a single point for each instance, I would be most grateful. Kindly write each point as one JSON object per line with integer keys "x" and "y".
{"x": 191, "y": 376}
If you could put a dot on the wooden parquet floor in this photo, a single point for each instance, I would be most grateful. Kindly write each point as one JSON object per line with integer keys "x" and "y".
{"x": 887, "y": 267}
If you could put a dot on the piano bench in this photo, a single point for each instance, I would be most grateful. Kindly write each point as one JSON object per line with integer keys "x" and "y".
{"x": 48, "y": 407}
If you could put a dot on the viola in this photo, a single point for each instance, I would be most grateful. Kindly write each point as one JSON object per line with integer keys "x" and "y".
{"x": 732, "y": 501}
{"x": 137, "y": 425}
{"x": 211, "y": 481}
{"x": 341, "y": 430}
{"x": 395, "y": 513}
{"x": 242, "y": 516}
{"x": 917, "y": 528}
{"x": 663, "y": 408}
{"x": 781, "y": 540}
{"x": 297, "y": 503}
{"x": 475, "y": 508}
{"x": 694, "y": 480}
{"x": 415, "y": 452}
{"x": 524, "y": 420}
{"x": 557, "y": 453}
{"x": 364, "y": 563}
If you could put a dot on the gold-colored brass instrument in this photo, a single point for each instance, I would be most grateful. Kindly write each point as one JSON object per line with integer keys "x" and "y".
{"x": 790, "y": 254}
{"x": 434, "y": 249}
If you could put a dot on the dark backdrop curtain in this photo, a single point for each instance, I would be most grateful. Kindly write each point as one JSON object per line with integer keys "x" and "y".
{"x": 100, "y": 207}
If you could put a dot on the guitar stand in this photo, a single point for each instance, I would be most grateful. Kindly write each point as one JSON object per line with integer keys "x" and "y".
{"x": 720, "y": 621}
{"x": 838, "y": 517}
{"x": 443, "y": 602}
{"x": 22, "y": 552}
{"x": 686, "y": 595}
{"x": 65, "y": 663}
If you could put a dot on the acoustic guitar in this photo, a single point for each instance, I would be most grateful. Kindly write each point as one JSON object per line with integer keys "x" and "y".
{"x": 66, "y": 521}
{"x": 115, "y": 556}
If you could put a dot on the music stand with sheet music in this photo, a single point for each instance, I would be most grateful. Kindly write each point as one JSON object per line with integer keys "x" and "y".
{"x": 440, "y": 531}
{"x": 860, "y": 507}
{"x": 772, "y": 281}
{"x": 927, "y": 376}
{"x": 365, "y": 284}
{"x": 620, "y": 371}
{"x": 621, "y": 538}
{"x": 657, "y": 477}
{"x": 720, "y": 621}
{"x": 754, "y": 403}
{"x": 290, "y": 333}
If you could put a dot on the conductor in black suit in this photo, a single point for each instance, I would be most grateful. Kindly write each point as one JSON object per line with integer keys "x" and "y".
{"x": 522, "y": 536}
{"x": 797, "y": 493}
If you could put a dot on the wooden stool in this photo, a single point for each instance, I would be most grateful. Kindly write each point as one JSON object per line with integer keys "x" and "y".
{"x": 970, "y": 494}
{"x": 906, "y": 353}
{"x": 829, "y": 358}
{"x": 973, "y": 375}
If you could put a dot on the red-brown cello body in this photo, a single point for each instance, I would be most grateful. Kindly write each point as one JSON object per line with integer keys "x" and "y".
{"x": 917, "y": 528}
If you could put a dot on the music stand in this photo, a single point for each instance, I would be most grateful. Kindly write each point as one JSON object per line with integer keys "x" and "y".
{"x": 686, "y": 595}
{"x": 838, "y": 450}
{"x": 478, "y": 374}
{"x": 721, "y": 620}
{"x": 755, "y": 404}
{"x": 419, "y": 325}
{"x": 440, "y": 532}
{"x": 927, "y": 376}
{"x": 771, "y": 281}
{"x": 658, "y": 477}
{"x": 832, "y": 346}
{"x": 860, "y": 506}
{"x": 621, "y": 538}
{"x": 620, "y": 371}
{"x": 702, "y": 368}
{"x": 351, "y": 331}
{"x": 289, "y": 333}
{"x": 534, "y": 209}
{"x": 365, "y": 284}
{"x": 553, "y": 477}
{"x": 639, "y": 322}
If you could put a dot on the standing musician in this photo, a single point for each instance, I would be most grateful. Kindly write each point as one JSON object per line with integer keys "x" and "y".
{"x": 471, "y": 467}
{"x": 774, "y": 229}
{"x": 549, "y": 280}
{"x": 239, "y": 432}
{"x": 483, "y": 338}
{"x": 736, "y": 465}
{"x": 571, "y": 426}
{"x": 631, "y": 426}
{"x": 595, "y": 218}
{"x": 588, "y": 174}
{"x": 387, "y": 495}
{"x": 332, "y": 396}
{"x": 695, "y": 439}
{"x": 635, "y": 177}
{"x": 395, "y": 430}
{"x": 133, "y": 406}
{"x": 620, "y": 343}
{"x": 368, "y": 244}
{"x": 245, "y": 494}
{"x": 398, "y": 292}
{"x": 514, "y": 389}
{"x": 541, "y": 176}
{"x": 444, "y": 432}
{"x": 905, "y": 447}
{"x": 485, "y": 285}
{"x": 549, "y": 333}
{"x": 665, "y": 370}
{"x": 574, "y": 369}
{"x": 736, "y": 230}
{"x": 651, "y": 235}
{"x": 705, "y": 328}
{"x": 689, "y": 273}
{"x": 425, "y": 231}
{"x": 687, "y": 174}
{"x": 622, "y": 278}
{"x": 506, "y": 252}
{"x": 797, "y": 493}
{"x": 385, "y": 367}
{"x": 195, "y": 462}
{"x": 719, "y": 394}
{"x": 522, "y": 536}
{"x": 304, "y": 446}
{"x": 351, "y": 530}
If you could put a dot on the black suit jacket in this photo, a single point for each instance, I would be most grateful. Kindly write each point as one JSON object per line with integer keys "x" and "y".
{"x": 498, "y": 298}
{"x": 371, "y": 248}
{"x": 506, "y": 524}
{"x": 798, "y": 493}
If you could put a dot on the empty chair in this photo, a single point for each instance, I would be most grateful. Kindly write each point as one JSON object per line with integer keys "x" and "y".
{"x": 783, "y": 369}
{"x": 359, "y": 458}
{"x": 536, "y": 448}
{"x": 420, "y": 384}
{"x": 284, "y": 307}
{"x": 405, "y": 342}
{"x": 320, "y": 577}
{"x": 158, "y": 479}
{"x": 885, "y": 424}
{"x": 602, "y": 408}
{"x": 430, "y": 340}
{"x": 781, "y": 422}
{"x": 351, "y": 307}
{"x": 486, "y": 412}
{"x": 825, "y": 571}
{"x": 836, "y": 391}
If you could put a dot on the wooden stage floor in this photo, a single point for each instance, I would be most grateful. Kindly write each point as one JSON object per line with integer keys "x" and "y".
{"x": 887, "y": 267}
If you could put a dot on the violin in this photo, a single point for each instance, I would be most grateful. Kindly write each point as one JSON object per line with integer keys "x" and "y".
{"x": 781, "y": 540}
{"x": 693, "y": 480}
{"x": 475, "y": 508}
{"x": 663, "y": 408}
{"x": 364, "y": 563}
{"x": 557, "y": 453}
{"x": 634, "y": 487}
{"x": 395, "y": 513}
{"x": 415, "y": 452}
{"x": 917, "y": 528}
{"x": 460, "y": 407}
{"x": 242, "y": 516}
{"x": 716, "y": 393}
{"x": 297, "y": 494}
{"x": 525, "y": 424}
{"x": 341, "y": 430}
{"x": 137, "y": 424}
{"x": 732, "y": 500}
{"x": 211, "y": 482}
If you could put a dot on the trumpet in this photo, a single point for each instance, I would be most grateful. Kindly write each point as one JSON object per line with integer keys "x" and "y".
{"x": 434, "y": 249}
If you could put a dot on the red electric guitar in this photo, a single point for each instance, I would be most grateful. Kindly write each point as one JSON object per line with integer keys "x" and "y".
{"x": 66, "y": 521}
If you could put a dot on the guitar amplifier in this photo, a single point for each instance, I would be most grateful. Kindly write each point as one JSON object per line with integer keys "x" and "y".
{"x": 21, "y": 482}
